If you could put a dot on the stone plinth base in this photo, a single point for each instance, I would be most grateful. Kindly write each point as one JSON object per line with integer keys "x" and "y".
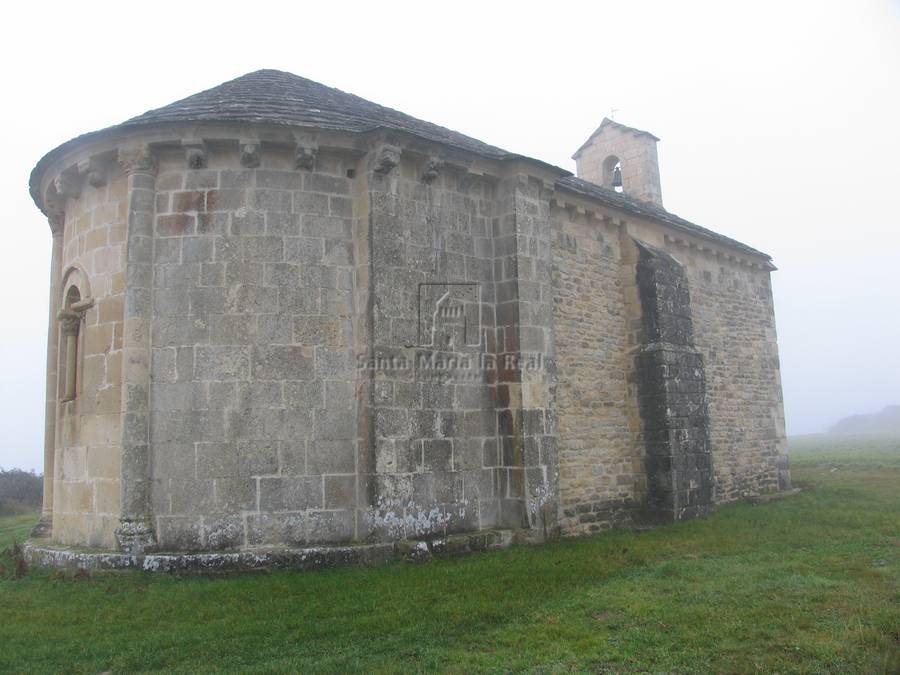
{"x": 43, "y": 528}
{"x": 266, "y": 559}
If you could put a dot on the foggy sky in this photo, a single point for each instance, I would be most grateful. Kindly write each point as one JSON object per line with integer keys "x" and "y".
{"x": 778, "y": 124}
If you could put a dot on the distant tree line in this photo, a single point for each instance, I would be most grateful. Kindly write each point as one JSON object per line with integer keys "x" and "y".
{"x": 886, "y": 421}
{"x": 20, "y": 491}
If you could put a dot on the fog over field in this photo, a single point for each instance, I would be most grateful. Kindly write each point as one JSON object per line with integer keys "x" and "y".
{"x": 778, "y": 127}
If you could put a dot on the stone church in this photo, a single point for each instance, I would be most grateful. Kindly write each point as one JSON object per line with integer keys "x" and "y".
{"x": 287, "y": 321}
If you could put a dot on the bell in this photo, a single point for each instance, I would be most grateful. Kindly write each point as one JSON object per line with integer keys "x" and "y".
{"x": 617, "y": 177}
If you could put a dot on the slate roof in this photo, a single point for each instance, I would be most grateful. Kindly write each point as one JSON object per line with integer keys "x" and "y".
{"x": 651, "y": 211}
{"x": 277, "y": 97}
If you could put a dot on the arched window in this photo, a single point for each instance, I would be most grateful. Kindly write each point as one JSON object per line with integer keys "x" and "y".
{"x": 612, "y": 173}
{"x": 75, "y": 304}
{"x": 70, "y": 323}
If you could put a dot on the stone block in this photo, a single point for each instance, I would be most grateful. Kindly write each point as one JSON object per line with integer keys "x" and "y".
{"x": 248, "y": 223}
{"x": 263, "y": 249}
{"x": 329, "y": 227}
{"x": 330, "y": 527}
{"x": 175, "y": 225}
{"x": 307, "y": 203}
{"x": 287, "y": 529}
{"x": 438, "y": 456}
{"x": 199, "y": 179}
{"x": 282, "y": 224}
{"x": 318, "y": 182}
{"x": 318, "y": 330}
{"x": 221, "y": 362}
{"x": 179, "y": 533}
{"x": 306, "y": 395}
{"x": 234, "y": 495}
{"x": 259, "y": 395}
{"x": 290, "y": 493}
{"x": 217, "y": 460}
{"x": 257, "y": 457}
{"x": 104, "y": 461}
{"x": 331, "y": 456}
{"x": 279, "y": 180}
{"x": 225, "y": 200}
{"x": 309, "y": 250}
{"x": 232, "y": 329}
{"x": 193, "y": 200}
{"x": 108, "y": 496}
{"x": 297, "y": 300}
{"x": 282, "y": 362}
{"x": 191, "y": 496}
{"x": 270, "y": 200}
{"x": 223, "y": 532}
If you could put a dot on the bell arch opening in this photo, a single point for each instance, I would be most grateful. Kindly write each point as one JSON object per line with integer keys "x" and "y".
{"x": 612, "y": 173}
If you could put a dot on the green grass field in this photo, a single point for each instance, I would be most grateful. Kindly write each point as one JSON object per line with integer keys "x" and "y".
{"x": 806, "y": 584}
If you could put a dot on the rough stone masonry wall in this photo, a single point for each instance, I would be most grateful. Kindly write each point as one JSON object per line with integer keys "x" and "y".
{"x": 253, "y": 420}
{"x": 672, "y": 393}
{"x": 86, "y": 486}
{"x": 734, "y": 328}
{"x": 600, "y": 469}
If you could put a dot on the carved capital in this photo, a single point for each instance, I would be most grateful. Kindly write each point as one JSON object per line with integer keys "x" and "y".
{"x": 305, "y": 157}
{"x": 138, "y": 160}
{"x": 69, "y": 322}
{"x": 251, "y": 154}
{"x": 195, "y": 154}
{"x": 387, "y": 157}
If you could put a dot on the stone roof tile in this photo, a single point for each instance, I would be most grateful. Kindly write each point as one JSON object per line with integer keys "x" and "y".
{"x": 277, "y": 97}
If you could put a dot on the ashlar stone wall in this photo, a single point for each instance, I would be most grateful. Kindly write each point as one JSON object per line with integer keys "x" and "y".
{"x": 86, "y": 468}
{"x": 362, "y": 339}
{"x": 463, "y": 436}
{"x": 253, "y": 403}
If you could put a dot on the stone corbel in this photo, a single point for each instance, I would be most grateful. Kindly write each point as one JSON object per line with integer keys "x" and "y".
{"x": 57, "y": 221}
{"x": 305, "y": 157}
{"x": 68, "y": 185}
{"x": 251, "y": 154}
{"x": 432, "y": 171}
{"x": 387, "y": 158}
{"x": 94, "y": 171}
{"x": 55, "y": 208}
{"x": 195, "y": 153}
{"x": 138, "y": 160}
